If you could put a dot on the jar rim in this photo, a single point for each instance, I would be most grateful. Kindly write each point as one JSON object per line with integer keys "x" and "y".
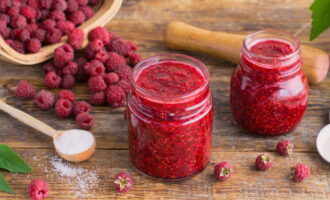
{"x": 168, "y": 57}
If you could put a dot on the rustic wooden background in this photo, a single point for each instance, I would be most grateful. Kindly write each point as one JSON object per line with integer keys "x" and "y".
{"x": 143, "y": 21}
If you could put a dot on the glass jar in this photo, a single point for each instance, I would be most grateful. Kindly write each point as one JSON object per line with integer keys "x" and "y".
{"x": 170, "y": 117}
{"x": 269, "y": 90}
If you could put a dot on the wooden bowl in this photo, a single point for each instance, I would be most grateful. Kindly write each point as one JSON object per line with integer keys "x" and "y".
{"x": 105, "y": 11}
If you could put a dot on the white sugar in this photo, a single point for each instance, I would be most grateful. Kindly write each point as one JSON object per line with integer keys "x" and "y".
{"x": 74, "y": 141}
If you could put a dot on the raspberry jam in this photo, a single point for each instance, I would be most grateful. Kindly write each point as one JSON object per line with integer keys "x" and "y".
{"x": 170, "y": 117}
{"x": 269, "y": 90}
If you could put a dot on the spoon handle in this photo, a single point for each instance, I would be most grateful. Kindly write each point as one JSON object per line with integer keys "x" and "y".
{"x": 27, "y": 119}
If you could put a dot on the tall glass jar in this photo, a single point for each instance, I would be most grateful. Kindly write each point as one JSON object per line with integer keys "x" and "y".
{"x": 269, "y": 90}
{"x": 170, "y": 116}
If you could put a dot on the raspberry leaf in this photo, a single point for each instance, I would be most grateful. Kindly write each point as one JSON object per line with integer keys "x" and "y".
{"x": 320, "y": 17}
{"x": 4, "y": 186}
{"x": 10, "y": 161}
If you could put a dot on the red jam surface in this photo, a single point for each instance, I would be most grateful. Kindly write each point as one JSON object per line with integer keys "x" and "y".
{"x": 170, "y": 121}
{"x": 269, "y": 96}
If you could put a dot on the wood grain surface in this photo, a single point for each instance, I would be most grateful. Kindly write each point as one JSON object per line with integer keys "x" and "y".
{"x": 143, "y": 22}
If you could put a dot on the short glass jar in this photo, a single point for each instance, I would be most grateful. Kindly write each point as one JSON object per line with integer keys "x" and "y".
{"x": 170, "y": 117}
{"x": 269, "y": 90}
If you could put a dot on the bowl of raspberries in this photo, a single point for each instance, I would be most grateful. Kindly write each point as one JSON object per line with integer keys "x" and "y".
{"x": 31, "y": 30}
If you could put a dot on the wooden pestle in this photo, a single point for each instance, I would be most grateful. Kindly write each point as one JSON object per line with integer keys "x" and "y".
{"x": 181, "y": 36}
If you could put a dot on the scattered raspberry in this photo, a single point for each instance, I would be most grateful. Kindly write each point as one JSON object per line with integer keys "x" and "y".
{"x": 77, "y": 17}
{"x": 63, "y": 108}
{"x": 80, "y": 107}
{"x": 134, "y": 58}
{"x": 223, "y": 171}
{"x": 48, "y": 24}
{"x": 54, "y": 36}
{"x": 65, "y": 26}
{"x": 70, "y": 68}
{"x": 38, "y": 189}
{"x": 96, "y": 68}
{"x": 115, "y": 61}
{"x": 45, "y": 100}
{"x": 57, "y": 15}
{"x": 126, "y": 85}
{"x": 99, "y": 33}
{"x": 263, "y": 162}
{"x": 25, "y": 90}
{"x": 18, "y": 22}
{"x": 88, "y": 11}
{"x": 123, "y": 182}
{"x": 300, "y": 172}
{"x": 33, "y": 46}
{"x": 95, "y": 45}
{"x": 111, "y": 78}
{"x": 81, "y": 75}
{"x": 28, "y": 12}
{"x": 52, "y": 80}
{"x": 102, "y": 56}
{"x": 97, "y": 84}
{"x": 124, "y": 72}
{"x": 66, "y": 94}
{"x": 97, "y": 98}
{"x": 39, "y": 34}
{"x": 119, "y": 46}
{"x": 116, "y": 96}
{"x": 60, "y": 5}
{"x": 72, "y": 5}
{"x": 85, "y": 120}
{"x": 63, "y": 55}
{"x": 68, "y": 82}
{"x": 49, "y": 67}
{"x": 132, "y": 45}
{"x": 76, "y": 38}
{"x": 89, "y": 54}
{"x": 284, "y": 147}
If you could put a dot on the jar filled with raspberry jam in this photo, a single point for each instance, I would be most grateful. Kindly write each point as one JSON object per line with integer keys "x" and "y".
{"x": 269, "y": 90}
{"x": 170, "y": 115}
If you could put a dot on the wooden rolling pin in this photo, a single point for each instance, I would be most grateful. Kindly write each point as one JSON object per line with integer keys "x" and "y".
{"x": 181, "y": 36}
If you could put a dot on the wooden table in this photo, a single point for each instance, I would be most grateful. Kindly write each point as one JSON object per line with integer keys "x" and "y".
{"x": 144, "y": 22}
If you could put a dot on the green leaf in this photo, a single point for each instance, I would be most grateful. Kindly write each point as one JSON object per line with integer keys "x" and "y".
{"x": 320, "y": 17}
{"x": 10, "y": 161}
{"x": 4, "y": 186}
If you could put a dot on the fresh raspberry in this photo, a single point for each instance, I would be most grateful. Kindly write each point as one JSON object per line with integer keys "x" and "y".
{"x": 13, "y": 11}
{"x": 4, "y": 4}
{"x": 85, "y": 120}
{"x": 48, "y": 24}
{"x": 97, "y": 98}
{"x": 263, "y": 162}
{"x": 99, "y": 33}
{"x": 33, "y": 45}
{"x": 116, "y": 96}
{"x": 111, "y": 78}
{"x": 124, "y": 72}
{"x": 45, "y": 100}
{"x": 47, "y": 4}
{"x": 76, "y": 38}
{"x": 96, "y": 84}
{"x": 44, "y": 14}
{"x": 63, "y": 108}
{"x": 17, "y": 45}
{"x": 71, "y": 68}
{"x": 60, "y": 5}
{"x": 54, "y": 36}
{"x": 96, "y": 68}
{"x": 223, "y": 171}
{"x": 72, "y": 5}
{"x": 80, "y": 107}
{"x": 82, "y": 2}
{"x": 95, "y": 45}
{"x": 38, "y": 189}
{"x": 102, "y": 56}
{"x": 16, "y": 3}
{"x": 119, "y": 46}
{"x": 28, "y": 12}
{"x": 68, "y": 82}
{"x": 89, "y": 54}
{"x": 25, "y": 90}
{"x": 88, "y": 11}
{"x": 5, "y": 18}
{"x": 18, "y": 21}
{"x": 77, "y": 17}
{"x": 132, "y": 45}
{"x": 66, "y": 94}
{"x": 4, "y": 30}
{"x": 57, "y": 15}
{"x": 40, "y": 35}
{"x": 300, "y": 172}
{"x": 123, "y": 182}
{"x": 63, "y": 55}
{"x": 284, "y": 147}
{"x": 126, "y": 85}
{"x": 115, "y": 61}
{"x": 81, "y": 75}
{"x": 134, "y": 58}
{"x": 49, "y": 67}
{"x": 52, "y": 80}
{"x": 94, "y": 2}
{"x": 65, "y": 26}
{"x": 32, "y": 28}
{"x": 33, "y": 3}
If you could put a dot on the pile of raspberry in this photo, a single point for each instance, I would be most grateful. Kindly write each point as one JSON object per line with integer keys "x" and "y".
{"x": 27, "y": 25}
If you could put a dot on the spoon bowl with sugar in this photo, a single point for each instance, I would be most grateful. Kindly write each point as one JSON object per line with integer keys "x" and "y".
{"x": 73, "y": 145}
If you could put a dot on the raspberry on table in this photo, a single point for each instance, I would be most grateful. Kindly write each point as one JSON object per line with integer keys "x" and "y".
{"x": 63, "y": 55}
{"x": 71, "y": 68}
{"x": 119, "y": 46}
{"x": 115, "y": 61}
{"x": 123, "y": 182}
{"x": 60, "y": 5}
{"x": 89, "y": 54}
{"x": 134, "y": 58}
{"x": 57, "y": 15}
{"x": 95, "y": 45}
{"x": 65, "y": 26}
{"x": 53, "y": 36}
{"x": 68, "y": 82}
{"x": 25, "y": 90}
{"x": 49, "y": 67}
{"x": 77, "y": 17}
{"x": 263, "y": 162}
{"x": 126, "y": 85}
{"x": 88, "y": 11}
{"x": 284, "y": 147}
{"x": 300, "y": 172}
{"x": 102, "y": 56}
{"x": 66, "y": 94}
{"x": 223, "y": 171}
{"x": 124, "y": 72}
{"x": 52, "y": 80}
{"x": 72, "y": 5}
{"x": 38, "y": 189}
{"x": 96, "y": 84}
{"x": 39, "y": 34}
{"x": 97, "y": 98}
{"x": 81, "y": 107}
{"x": 28, "y": 12}
{"x": 81, "y": 75}
{"x": 116, "y": 96}
{"x": 18, "y": 22}
{"x": 33, "y": 45}
{"x": 85, "y": 120}
{"x": 111, "y": 78}
{"x": 47, "y": 24}
{"x": 63, "y": 108}
{"x": 45, "y": 100}
{"x": 96, "y": 68}
{"x": 99, "y": 33}
{"x": 76, "y": 38}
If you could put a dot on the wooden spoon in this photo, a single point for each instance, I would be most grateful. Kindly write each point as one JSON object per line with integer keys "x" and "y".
{"x": 181, "y": 36}
{"x": 47, "y": 130}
